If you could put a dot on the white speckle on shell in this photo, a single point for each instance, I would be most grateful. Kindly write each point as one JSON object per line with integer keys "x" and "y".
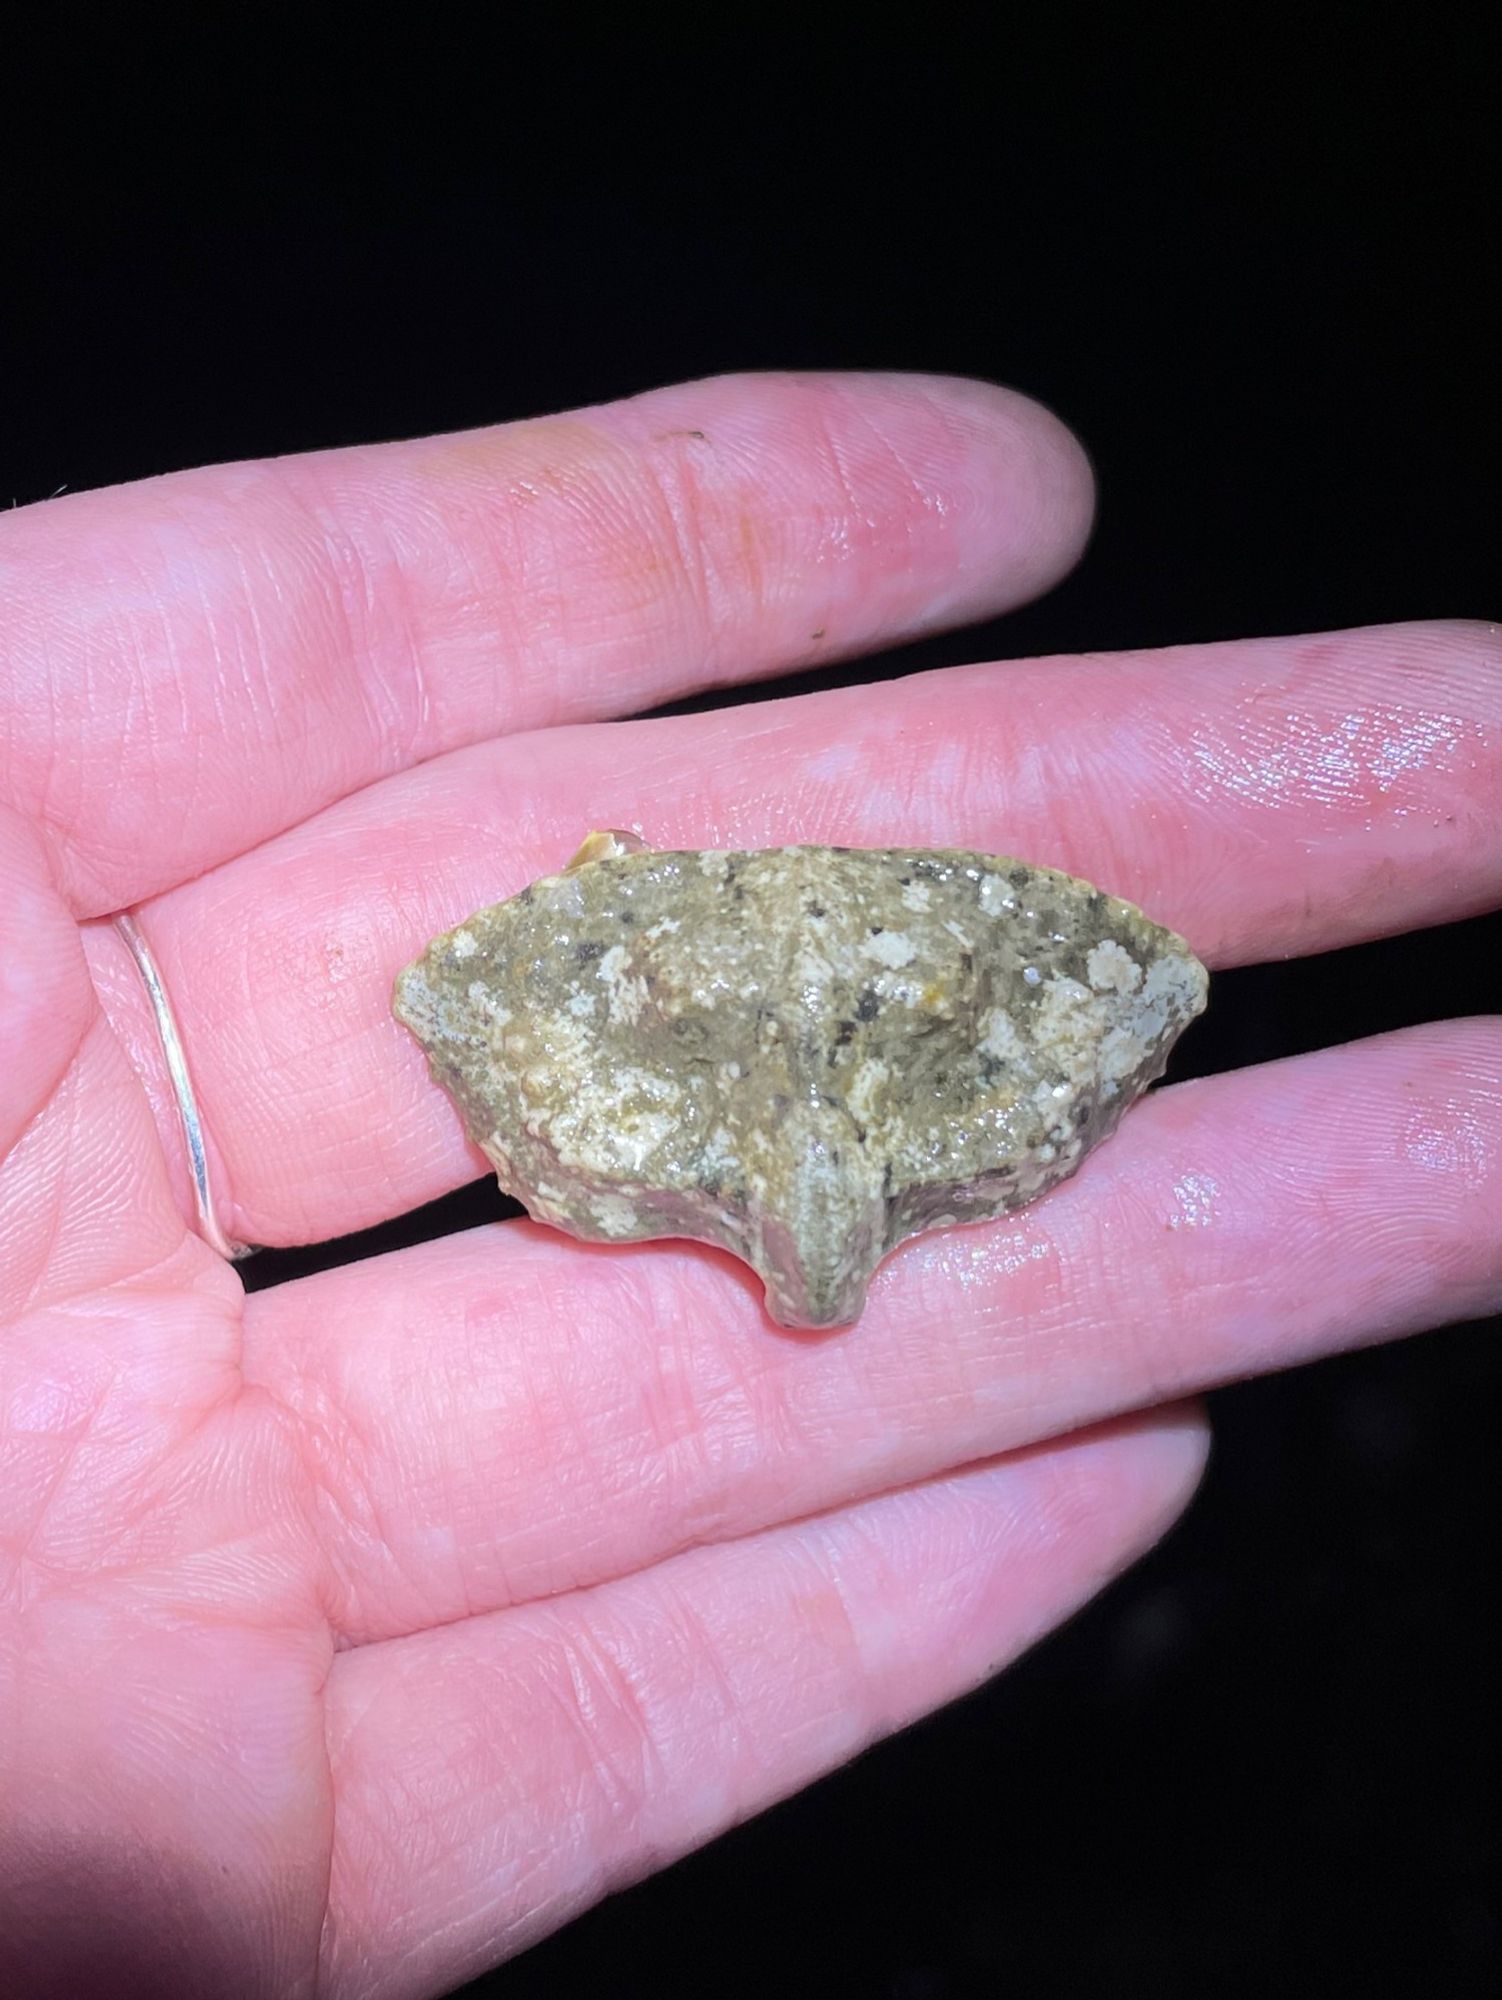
{"x": 996, "y": 897}
{"x": 614, "y": 1214}
{"x": 893, "y": 948}
{"x": 1110, "y": 968}
{"x": 1000, "y": 1038}
{"x": 626, "y": 996}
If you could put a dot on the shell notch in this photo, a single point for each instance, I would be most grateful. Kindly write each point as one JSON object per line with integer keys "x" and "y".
{"x": 802, "y": 1054}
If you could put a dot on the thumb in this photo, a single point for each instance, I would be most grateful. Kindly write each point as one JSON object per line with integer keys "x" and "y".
{"x": 46, "y": 996}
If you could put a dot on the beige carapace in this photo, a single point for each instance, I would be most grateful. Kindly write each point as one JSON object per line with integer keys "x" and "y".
{"x": 803, "y": 1054}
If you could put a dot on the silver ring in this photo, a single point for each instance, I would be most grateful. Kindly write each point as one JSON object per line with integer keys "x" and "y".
{"x": 182, "y": 1084}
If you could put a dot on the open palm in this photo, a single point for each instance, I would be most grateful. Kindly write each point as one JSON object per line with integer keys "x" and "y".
{"x": 355, "y": 1634}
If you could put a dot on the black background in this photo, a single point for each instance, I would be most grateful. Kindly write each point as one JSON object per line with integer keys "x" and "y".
{"x": 1254, "y": 273}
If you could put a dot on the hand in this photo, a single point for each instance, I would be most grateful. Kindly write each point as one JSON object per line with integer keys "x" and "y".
{"x": 361, "y": 1631}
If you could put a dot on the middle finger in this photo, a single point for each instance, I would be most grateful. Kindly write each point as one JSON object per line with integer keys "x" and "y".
{"x": 1265, "y": 797}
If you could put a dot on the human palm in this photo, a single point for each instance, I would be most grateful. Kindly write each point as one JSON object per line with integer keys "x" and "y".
{"x": 355, "y": 1633}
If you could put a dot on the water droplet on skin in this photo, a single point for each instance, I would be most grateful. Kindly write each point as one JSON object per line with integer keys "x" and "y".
{"x": 1196, "y": 1201}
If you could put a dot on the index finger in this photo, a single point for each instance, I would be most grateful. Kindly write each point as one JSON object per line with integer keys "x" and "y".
{"x": 194, "y": 663}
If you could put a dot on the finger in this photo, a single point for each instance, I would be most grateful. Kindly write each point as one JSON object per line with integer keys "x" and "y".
{"x": 85, "y": 1197}
{"x": 1266, "y": 797}
{"x": 199, "y": 661}
{"x": 500, "y": 1416}
{"x": 46, "y": 1000}
{"x": 567, "y": 1749}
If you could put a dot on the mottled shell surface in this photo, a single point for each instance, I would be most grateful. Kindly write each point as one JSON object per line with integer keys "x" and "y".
{"x": 802, "y": 1054}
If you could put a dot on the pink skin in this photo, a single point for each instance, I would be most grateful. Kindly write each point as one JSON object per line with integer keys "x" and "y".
{"x": 359, "y": 1633}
